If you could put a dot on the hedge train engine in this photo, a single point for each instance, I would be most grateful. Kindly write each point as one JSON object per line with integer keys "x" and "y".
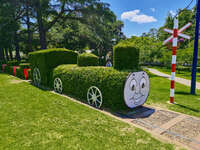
{"x": 80, "y": 76}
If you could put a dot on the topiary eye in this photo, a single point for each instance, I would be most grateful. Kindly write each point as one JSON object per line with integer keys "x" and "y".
{"x": 133, "y": 85}
{"x": 143, "y": 86}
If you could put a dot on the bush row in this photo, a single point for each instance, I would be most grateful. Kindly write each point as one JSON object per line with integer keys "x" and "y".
{"x": 77, "y": 80}
{"x": 19, "y": 70}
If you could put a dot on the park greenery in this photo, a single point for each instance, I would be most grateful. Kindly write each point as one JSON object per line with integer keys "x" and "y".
{"x": 27, "y": 26}
{"x": 152, "y": 52}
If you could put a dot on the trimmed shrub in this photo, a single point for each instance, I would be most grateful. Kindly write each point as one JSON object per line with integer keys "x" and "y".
{"x": 88, "y": 59}
{"x": 47, "y": 60}
{"x": 13, "y": 63}
{"x": 25, "y": 65}
{"x": 126, "y": 56}
{"x": 77, "y": 80}
{"x": 9, "y": 69}
{"x": 19, "y": 73}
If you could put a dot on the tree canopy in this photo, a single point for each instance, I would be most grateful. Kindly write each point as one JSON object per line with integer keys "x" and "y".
{"x": 27, "y": 25}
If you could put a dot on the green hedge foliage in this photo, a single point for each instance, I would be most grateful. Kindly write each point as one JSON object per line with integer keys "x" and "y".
{"x": 88, "y": 59}
{"x": 126, "y": 56}
{"x": 9, "y": 69}
{"x": 25, "y": 65}
{"x": 13, "y": 63}
{"x": 2, "y": 62}
{"x": 77, "y": 80}
{"x": 47, "y": 60}
{"x": 20, "y": 73}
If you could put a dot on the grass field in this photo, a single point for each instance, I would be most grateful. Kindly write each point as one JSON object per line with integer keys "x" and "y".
{"x": 35, "y": 119}
{"x": 181, "y": 74}
{"x": 159, "y": 95}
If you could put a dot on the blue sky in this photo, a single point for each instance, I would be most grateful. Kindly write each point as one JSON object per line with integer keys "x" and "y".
{"x": 141, "y": 15}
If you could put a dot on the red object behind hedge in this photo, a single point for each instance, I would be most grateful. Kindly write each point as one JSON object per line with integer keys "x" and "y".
{"x": 3, "y": 67}
{"x": 26, "y": 73}
{"x": 14, "y": 71}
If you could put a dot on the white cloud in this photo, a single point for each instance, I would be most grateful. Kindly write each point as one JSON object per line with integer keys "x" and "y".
{"x": 153, "y": 9}
{"x": 135, "y": 16}
{"x": 173, "y": 13}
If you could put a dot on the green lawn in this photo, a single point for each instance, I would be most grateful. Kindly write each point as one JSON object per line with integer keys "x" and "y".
{"x": 159, "y": 95}
{"x": 181, "y": 74}
{"x": 35, "y": 119}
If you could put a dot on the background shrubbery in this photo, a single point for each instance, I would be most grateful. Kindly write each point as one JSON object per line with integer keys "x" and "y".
{"x": 77, "y": 80}
{"x": 88, "y": 59}
{"x": 47, "y": 60}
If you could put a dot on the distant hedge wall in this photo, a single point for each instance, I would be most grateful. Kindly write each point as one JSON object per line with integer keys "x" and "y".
{"x": 77, "y": 81}
{"x": 46, "y": 60}
{"x": 125, "y": 56}
{"x": 87, "y": 59}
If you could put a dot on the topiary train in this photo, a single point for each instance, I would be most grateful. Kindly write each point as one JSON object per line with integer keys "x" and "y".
{"x": 114, "y": 88}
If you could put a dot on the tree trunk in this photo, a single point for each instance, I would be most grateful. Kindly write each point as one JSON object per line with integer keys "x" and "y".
{"x": 3, "y": 54}
{"x": 17, "y": 52}
{"x": 43, "y": 43}
{"x": 29, "y": 27}
{"x": 17, "y": 47}
{"x": 42, "y": 30}
{"x": 6, "y": 52}
{"x": 10, "y": 52}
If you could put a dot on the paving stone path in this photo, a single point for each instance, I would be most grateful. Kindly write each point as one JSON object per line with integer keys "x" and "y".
{"x": 179, "y": 128}
{"x": 177, "y": 79}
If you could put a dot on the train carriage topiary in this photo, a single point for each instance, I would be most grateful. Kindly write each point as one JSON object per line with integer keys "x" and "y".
{"x": 44, "y": 61}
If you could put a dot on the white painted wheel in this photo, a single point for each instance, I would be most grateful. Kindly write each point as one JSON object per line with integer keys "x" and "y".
{"x": 36, "y": 76}
{"x": 58, "y": 86}
{"x": 94, "y": 97}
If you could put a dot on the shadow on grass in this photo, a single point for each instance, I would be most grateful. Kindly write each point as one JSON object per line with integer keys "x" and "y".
{"x": 41, "y": 87}
{"x": 182, "y": 93}
{"x": 188, "y": 108}
{"x": 185, "y": 93}
{"x": 152, "y": 75}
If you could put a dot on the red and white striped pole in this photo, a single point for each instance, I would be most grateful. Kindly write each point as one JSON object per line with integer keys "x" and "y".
{"x": 173, "y": 67}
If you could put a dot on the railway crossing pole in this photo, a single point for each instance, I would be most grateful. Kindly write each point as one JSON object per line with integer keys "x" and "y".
{"x": 195, "y": 53}
{"x": 175, "y": 33}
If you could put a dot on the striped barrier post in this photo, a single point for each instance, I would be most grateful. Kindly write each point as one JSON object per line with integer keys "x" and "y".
{"x": 175, "y": 33}
{"x": 173, "y": 66}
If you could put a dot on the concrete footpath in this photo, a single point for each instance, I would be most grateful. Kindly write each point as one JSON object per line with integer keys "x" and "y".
{"x": 178, "y": 128}
{"x": 177, "y": 79}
